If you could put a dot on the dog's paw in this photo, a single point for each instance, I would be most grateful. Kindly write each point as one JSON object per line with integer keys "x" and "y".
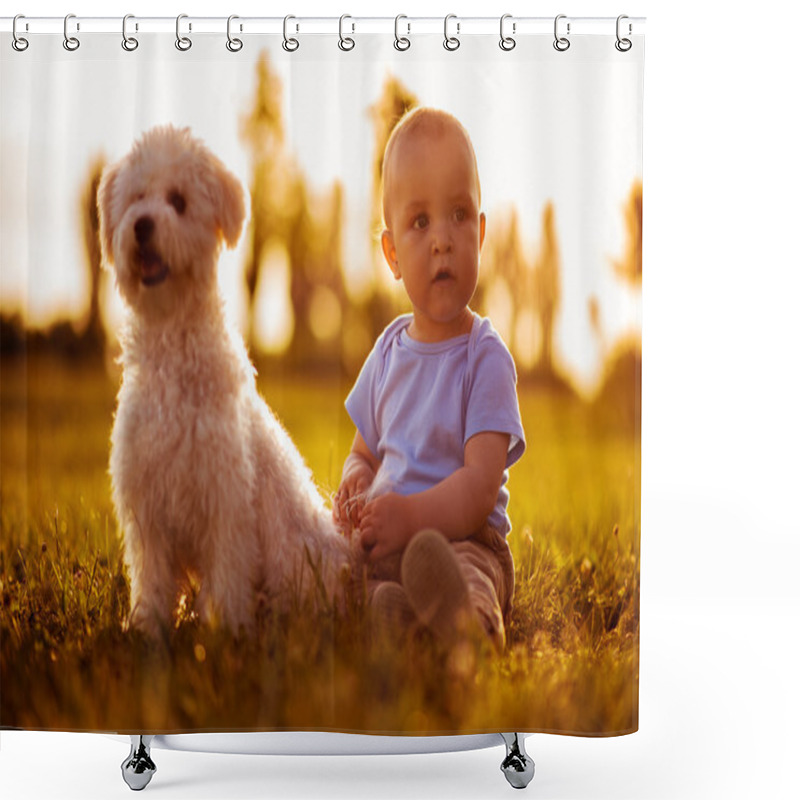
{"x": 155, "y": 629}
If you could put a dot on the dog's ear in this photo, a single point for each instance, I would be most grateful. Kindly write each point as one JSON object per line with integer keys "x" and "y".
{"x": 229, "y": 203}
{"x": 105, "y": 194}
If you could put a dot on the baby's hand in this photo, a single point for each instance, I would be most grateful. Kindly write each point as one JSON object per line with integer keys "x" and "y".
{"x": 358, "y": 473}
{"x": 384, "y": 526}
{"x": 348, "y": 502}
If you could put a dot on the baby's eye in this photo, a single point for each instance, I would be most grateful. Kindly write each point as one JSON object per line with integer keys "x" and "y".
{"x": 421, "y": 222}
{"x": 177, "y": 201}
{"x": 460, "y": 214}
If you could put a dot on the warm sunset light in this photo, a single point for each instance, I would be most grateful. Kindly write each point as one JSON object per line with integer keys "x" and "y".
{"x": 272, "y": 466}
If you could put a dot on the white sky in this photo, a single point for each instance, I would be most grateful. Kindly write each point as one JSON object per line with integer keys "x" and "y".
{"x": 546, "y": 126}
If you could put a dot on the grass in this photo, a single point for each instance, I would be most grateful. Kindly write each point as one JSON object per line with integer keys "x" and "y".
{"x": 571, "y": 664}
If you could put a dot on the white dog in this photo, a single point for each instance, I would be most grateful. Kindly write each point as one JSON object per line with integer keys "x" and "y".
{"x": 205, "y": 479}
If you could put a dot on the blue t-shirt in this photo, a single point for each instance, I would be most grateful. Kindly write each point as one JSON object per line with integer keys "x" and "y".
{"x": 416, "y": 404}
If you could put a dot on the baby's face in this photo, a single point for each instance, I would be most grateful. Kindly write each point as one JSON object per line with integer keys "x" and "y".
{"x": 435, "y": 228}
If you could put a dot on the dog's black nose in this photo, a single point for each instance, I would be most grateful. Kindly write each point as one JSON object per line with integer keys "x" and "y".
{"x": 143, "y": 228}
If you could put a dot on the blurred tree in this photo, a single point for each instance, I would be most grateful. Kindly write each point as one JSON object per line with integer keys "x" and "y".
{"x": 12, "y": 334}
{"x": 93, "y": 333}
{"x": 629, "y": 267}
{"x": 547, "y": 287}
{"x": 619, "y": 397}
{"x": 596, "y": 323}
{"x": 306, "y": 226}
{"x": 395, "y": 100}
{"x": 317, "y": 289}
{"x": 272, "y": 178}
{"x": 505, "y": 278}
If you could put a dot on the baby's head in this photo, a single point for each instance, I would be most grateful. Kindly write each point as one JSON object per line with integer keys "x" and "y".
{"x": 434, "y": 227}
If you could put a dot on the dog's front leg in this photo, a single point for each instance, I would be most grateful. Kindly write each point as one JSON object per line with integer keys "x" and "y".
{"x": 153, "y": 585}
{"x": 226, "y": 593}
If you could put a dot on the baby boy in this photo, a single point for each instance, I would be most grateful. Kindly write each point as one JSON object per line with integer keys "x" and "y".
{"x": 435, "y": 405}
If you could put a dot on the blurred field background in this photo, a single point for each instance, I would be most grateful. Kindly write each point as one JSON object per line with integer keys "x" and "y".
{"x": 571, "y": 664}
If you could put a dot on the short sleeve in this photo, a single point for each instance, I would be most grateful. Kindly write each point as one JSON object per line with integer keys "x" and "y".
{"x": 492, "y": 403}
{"x": 360, "y": 403}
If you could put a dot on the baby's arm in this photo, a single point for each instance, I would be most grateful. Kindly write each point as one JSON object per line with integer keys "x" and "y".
{"x": 358, "y": 473}
{"x": 457, "y": 506}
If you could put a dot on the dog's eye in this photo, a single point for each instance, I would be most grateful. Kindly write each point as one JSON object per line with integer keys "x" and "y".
{"x": 177, "y": 201}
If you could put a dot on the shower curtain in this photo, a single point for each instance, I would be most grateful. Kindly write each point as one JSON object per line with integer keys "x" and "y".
{"x": 313, "y": 282}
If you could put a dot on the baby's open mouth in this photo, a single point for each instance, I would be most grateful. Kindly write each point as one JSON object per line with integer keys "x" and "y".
{"x": 152, "y": 268}
{"x": 443, "y": 275}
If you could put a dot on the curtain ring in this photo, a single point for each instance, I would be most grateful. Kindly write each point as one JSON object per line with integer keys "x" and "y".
{"x": 18, "y": 42}
{"x": 561, "y": 43}
{"x": 507, "y": 42}
{"x": 71, "y": 43}
{"x": 129, "y": 43}
{"x": 451, "y": 42}
{"x": 623, "y": 45}
{"x": 345, "y": 42}
{"x": 401, "y": 42}
{"x": 183, "y": 43}
{"x": 289, "y": 44}
{"x": 233, "y": 44}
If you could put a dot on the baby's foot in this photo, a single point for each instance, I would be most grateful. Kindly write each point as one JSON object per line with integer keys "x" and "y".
{"x": 392, "y": 614}
{"x": 436, "y": 588}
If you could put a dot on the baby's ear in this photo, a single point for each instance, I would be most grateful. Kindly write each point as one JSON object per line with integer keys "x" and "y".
{"x": 389, "y": 253}
{"x": 229, "y": 203}
{"x": 105, "y": 196}
{"x": 483, "y": 230}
